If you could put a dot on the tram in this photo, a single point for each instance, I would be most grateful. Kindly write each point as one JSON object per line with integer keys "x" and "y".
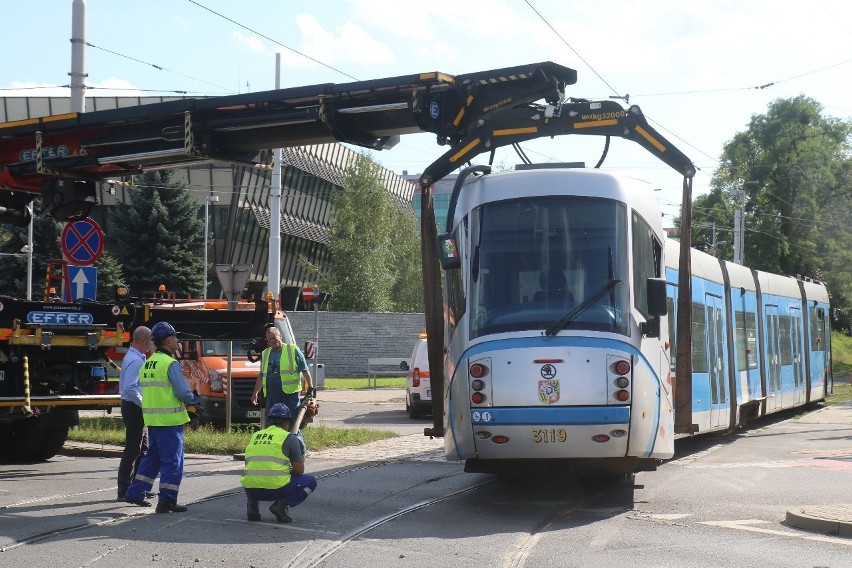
{"x": 559, "y": 301}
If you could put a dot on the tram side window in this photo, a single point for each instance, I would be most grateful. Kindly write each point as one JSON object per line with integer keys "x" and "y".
{"x": 455, "y": 282}
{"x": 672, "y": 334}
{"x": 745, "y": 341}
{"x": 817, "y": 318}
{"x": 785, "y": 324}
{"x": 699, "y": 339}
{"x": 647, "y": 256}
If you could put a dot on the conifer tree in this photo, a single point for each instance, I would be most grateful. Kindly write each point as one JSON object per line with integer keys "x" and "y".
{"x": 158, "y": 236}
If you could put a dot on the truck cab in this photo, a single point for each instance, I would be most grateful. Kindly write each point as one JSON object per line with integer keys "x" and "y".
{"x": 204, "y": 363}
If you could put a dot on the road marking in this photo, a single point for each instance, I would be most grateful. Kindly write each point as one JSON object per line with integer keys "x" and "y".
{"x": 744, "y": 525}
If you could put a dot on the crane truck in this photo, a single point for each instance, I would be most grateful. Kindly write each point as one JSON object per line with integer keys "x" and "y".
{"x": 61, "y": 158}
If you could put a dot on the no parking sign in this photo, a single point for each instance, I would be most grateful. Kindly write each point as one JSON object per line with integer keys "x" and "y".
{"x": 82, "y": 242}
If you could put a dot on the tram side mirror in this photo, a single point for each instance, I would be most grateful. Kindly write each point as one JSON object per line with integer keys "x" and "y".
{"x": 657, "y": 297}
{"x": 449, "y": 252}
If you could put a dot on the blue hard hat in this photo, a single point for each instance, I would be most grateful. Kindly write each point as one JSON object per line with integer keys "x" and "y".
{"x": 162, "y": 330}
{"x": 279, "y": 411}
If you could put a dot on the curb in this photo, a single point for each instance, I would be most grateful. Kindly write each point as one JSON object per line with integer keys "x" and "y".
{"x": 825, "y": 519}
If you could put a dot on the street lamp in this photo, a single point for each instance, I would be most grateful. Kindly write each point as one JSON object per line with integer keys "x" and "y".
{"x": 210, "y": 199}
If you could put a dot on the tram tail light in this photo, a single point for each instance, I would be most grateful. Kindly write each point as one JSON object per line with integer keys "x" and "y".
{"x": 622, "y": 395}
{"x": 478, "y": 370}
{"x": 622, "y": 367}
{"x": 477, "y": 398}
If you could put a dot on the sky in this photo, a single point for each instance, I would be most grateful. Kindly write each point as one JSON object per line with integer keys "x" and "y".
{"x": 698, "y": 69}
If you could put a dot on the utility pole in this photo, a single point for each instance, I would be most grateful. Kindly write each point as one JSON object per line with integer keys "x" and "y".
{"x": 739, "y": 224}
{"x": 274, "y": 266}
{"x": 78, "y": 56}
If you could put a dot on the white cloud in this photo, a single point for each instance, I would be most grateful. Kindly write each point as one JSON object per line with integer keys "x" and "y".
{"x": 252, "y": 43}
{"x": 346, "y": 43}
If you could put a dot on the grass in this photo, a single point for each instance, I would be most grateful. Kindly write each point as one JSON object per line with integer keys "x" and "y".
{"x": 206, "y": 440}
{"x": 357, "y": 383}
{"x": 109, "y": 430}
{"x": 841, "y": 368}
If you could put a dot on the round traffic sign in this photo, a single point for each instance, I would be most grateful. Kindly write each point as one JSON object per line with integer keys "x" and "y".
{"x": 82, "y": 242}
{"x": 308, "y": 294}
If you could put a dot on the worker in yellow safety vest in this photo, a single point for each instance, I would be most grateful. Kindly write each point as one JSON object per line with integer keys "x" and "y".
{"x": 165, "y": 394}
{"x": 283, "y": 373}
{"x": 275, "y": 468}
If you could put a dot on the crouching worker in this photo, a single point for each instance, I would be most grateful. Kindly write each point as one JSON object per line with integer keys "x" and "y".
{"x": 275, "y": 468}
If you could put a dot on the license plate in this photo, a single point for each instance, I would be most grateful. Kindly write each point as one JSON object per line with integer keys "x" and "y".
{"x": 253, "y": 414}
{"x": 549, "y": 435}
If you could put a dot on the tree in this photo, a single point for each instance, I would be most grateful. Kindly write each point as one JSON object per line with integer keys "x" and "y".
{"x": 46, "y": 246}
{"x": 360, "y": 278}
{"x": 406, "y": 264}
{"x": 793, "y": 165}
{"x": 110, "y": 274}
{"x": 157, "y": 236}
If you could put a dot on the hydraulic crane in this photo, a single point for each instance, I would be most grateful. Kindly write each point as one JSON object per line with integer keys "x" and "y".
{"x": 62, "y": 157}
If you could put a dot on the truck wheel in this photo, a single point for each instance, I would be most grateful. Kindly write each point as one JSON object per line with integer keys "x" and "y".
{"x": 54, "y": 439}
{"x": 25, "y": 441}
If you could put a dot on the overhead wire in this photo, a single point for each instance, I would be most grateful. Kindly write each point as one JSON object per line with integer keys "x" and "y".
{"x": 278, "y": 43}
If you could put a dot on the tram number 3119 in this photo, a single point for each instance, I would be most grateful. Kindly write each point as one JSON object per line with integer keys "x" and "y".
{"x": 549, "y": 435}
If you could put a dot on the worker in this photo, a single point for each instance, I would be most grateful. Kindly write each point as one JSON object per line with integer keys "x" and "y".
{"x": 164, "y": 394}
{"x": 135, "y": 433}
{"x": 283, "y": 370}
{"x": 275, "y": 468}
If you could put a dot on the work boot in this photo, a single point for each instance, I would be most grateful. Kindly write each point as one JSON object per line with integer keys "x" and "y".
{"x": 139, "y": 502}
{"x": 168, "y": 507}
{"x": 279, "y": 509}
{"x": 252, "y": 511}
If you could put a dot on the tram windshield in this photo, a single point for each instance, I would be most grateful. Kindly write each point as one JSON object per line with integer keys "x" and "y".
{"x": 534, "y": 260}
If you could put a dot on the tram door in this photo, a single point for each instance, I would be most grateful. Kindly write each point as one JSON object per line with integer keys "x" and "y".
{"x": 716, "y": 360}
{"x": 773, "y": 359}
{"x": 798, "y": 367}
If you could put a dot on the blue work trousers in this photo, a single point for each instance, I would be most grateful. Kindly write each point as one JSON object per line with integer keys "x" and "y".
{"x": 293, "y": 493}
{"x": 164, "y": 457}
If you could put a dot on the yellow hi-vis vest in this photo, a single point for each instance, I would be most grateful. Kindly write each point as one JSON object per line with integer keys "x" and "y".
{"x": 266, "y": 465}
{"x": 287, "y": 368}
{"x": 160, "y": 404}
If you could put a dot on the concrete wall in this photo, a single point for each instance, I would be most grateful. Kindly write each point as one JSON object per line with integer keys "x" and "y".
{"x": 348, "y": 339}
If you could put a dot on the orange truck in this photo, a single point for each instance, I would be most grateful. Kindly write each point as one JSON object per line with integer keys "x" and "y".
{"x": 203, "y": 353}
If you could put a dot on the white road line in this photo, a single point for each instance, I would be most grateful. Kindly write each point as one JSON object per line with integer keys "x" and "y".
{"x": 744, "y": 525}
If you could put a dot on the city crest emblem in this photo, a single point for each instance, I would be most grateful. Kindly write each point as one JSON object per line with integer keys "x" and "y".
{"x": 548, "y": 391}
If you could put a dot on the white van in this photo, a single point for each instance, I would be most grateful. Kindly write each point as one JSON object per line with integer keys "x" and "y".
{"x": 418, "y": 391}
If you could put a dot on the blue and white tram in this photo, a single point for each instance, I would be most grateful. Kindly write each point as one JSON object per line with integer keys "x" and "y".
{"x": 557, "y": 347}
{"x": 760, "y": 341}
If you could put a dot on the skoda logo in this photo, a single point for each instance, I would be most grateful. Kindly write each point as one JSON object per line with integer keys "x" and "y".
{"x": 548, "y": 371}
{"x": 434, "y": 110}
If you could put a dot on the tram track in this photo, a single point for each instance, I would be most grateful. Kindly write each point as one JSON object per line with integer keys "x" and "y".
{"x": 318, "y": 554}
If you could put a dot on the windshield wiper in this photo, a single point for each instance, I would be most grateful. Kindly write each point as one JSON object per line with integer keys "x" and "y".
{"x": 580, "y": 308}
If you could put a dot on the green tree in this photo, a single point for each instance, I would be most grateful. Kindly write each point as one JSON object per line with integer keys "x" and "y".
{"x": 406, "y": 264}
{"x": 157, "y": 236}
{"x": 110, "y": 274}
{"x": 359, "y": 277}
{"x": 793, "y": 166}
{"x": 46, "y": 235}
